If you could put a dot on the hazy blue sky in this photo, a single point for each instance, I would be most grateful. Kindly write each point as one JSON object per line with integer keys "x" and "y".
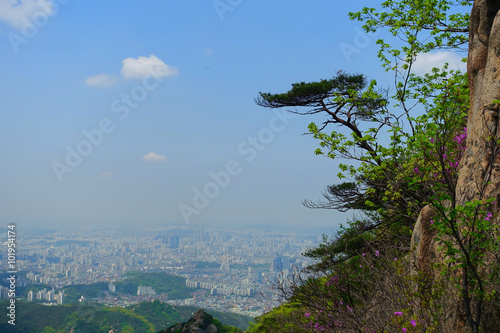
{"x": 156, "y": 99}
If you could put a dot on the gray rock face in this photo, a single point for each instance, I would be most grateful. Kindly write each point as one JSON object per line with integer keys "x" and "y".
{"x": 481, "y": 162}
{"x": 479, "y": 175}
{"x": 201, "y": 322}
{"x": 425, "y": 254}
{"x": 422, "y": 242}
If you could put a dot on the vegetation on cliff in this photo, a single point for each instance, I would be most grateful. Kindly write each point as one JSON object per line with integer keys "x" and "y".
{"x": 414, "y": 249}
{"x": 201, "y": 322}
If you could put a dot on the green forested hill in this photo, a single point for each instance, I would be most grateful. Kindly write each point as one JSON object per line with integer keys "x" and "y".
{"x": 74, "y": 292}
{"x": 90, "y": 317}
{"x": 175, "y": 286}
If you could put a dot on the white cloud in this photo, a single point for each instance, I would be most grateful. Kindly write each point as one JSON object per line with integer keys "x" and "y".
{"x": 426, "y": 61}
{"x": 154, "y": 157}
{"x": 20, "y": 13}
{"x": 143, "y": 67}
{"x": 101, "y": 80}
{"x": 107, "y": 175}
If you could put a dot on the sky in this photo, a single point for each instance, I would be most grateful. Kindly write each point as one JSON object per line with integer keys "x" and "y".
{"x": 142, "y": 113}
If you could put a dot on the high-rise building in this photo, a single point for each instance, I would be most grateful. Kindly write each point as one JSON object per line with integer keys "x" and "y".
{"x": 192, "y": 284}
{"x": 4, "y": 292}
{"x": 59, "y": 268}
{"x": 30, "y": 276}
{"x": 130, "y": 261}
{"x": 200, "y": 235}
{"x": 50, "y": 296}
{"x": 286, "y": 262}
{"x": 174, "y": 242}
{"x": 276, "y": 265}
{"x": 256, "y": 276}
{"x": 143, "y": 290}
{"x": 280, "y": 263}
{"x": 59, "y": 298}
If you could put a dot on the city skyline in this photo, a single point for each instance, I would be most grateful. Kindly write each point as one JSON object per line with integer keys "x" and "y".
{"x": 226, "y": 270}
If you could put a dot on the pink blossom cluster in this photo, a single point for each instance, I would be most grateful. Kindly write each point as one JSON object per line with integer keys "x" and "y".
{"x": 450, "y": 157}
{"x": 413, "y": 322}
{"x": 326, "y": 321}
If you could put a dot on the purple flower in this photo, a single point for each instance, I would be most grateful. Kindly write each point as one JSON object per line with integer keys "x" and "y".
{"x": 398, "y": 314}
{"x": 404, "y": 329}
{"x": 432, "y": 222}
{"x": 395, "y": 259}
{"x": 413, "y": 322}
{"x": 488, "y": 216}
{"x": 307, "y": 314}
{"x": 377, "y": 253}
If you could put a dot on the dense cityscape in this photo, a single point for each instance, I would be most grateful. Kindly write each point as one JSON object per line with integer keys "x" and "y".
{"x": 230, "y": 271}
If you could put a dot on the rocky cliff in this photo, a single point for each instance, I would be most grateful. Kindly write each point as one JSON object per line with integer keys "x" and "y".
{"x": 479, "y": 176}
{"x": 201, "y": 322}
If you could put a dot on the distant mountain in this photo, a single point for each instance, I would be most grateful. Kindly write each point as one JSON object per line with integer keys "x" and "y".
{"x": 201, "y": 322}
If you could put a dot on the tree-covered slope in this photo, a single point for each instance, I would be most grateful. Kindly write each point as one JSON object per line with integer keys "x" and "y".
{"x": 174, "y": 286}
{"x": 96, "y": 318}
{"x": 420, "y": 170}
{"x": 201, "y": 322}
